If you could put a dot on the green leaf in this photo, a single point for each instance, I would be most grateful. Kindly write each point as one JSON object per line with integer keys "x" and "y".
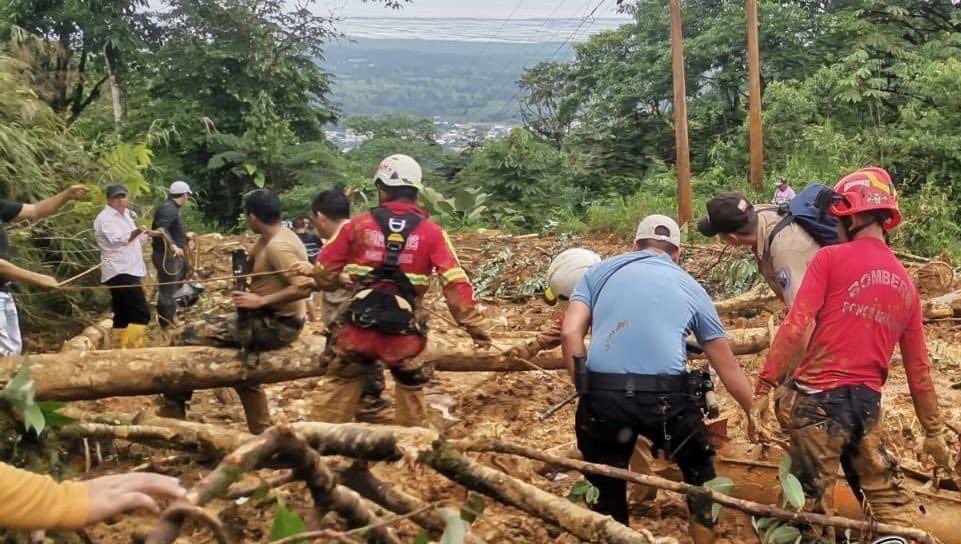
{"x": 251, "y": 169}
{"x": 286, "y": 522}
{"x": 421, "y": 539}
{"x": 33, "y": 418}
{"x": 793, "y": 493}
{"x": 52, "y": 416}
{"x": 760, "y": 524}
{"x": 473, "y": 508}
{"x": 783, "y": 535}
{"x": 715, "y": 511}
{"x": 721, "y": 484}
{"x": 784, "y": 466}
{"x": 592, "y": 495}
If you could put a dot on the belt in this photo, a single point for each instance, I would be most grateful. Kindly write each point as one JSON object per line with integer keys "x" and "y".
{"x": 6, "y": 286}
{"x": 637, "y": 383}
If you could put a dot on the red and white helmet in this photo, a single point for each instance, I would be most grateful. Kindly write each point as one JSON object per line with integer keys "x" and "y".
{"x": 400, "y": 171}
{"x": 865, "y": 190}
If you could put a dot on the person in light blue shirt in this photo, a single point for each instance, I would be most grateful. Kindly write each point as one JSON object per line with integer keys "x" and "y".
{"x": 640, "y": 327}
{"x": 640, "y": 308}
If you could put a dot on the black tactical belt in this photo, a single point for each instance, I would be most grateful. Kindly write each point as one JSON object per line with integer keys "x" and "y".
{"x": 637, "y": 383}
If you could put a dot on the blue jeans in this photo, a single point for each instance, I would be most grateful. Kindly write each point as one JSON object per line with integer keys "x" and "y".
{"x": 10, "y": 341}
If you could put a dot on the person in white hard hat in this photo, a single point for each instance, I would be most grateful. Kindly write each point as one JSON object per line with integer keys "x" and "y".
{"x": 640, "y": 308}
{"x": 565, "y": 270}
{"x": 387, "y": 256}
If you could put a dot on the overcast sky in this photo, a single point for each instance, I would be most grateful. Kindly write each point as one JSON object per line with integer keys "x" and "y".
{"x": 489, "y": 9}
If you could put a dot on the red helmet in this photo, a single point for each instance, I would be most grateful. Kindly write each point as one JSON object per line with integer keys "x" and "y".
{"x": 866, "y": 190}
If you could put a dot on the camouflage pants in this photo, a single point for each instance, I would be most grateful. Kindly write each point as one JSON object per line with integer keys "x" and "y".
{"x": 840, "y": 428}
{"x": 254, "y": 331}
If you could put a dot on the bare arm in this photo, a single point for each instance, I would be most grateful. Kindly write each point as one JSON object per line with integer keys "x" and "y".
{"x": 49, "y": 206}
{"x": 13, "y": 272}
{"x": 577, "y": 320}
{"x": 253, "y": 301}
{"x": 722, "y": 359}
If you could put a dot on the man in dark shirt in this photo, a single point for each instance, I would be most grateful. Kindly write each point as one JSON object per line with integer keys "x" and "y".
{"x": 10, "y": 340}
{"x": 311, "y": 241}
{"x": 168, "y": 251}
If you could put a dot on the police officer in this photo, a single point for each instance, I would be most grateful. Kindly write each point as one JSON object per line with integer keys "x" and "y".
{"x": 633, "y": 381}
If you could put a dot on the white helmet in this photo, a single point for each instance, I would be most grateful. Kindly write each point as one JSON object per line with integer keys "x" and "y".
{"x": 566, "y": 269}
{"x": 400, "y": 171}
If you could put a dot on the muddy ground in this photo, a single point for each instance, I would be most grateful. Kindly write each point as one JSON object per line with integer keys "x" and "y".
{"x": 509, "y": 271}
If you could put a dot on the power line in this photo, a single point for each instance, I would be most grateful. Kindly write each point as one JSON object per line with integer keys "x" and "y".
{"x": 510, "y": 81}
{"x": 590, "y": 16}
{"x": 537, "y": 54}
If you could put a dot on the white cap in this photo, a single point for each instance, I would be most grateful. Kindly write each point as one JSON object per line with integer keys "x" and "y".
{"x": 179, "y": 188}
{"x": 646, "y": 230}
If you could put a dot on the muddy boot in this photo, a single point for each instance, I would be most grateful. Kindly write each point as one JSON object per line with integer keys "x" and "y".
{"x": 374, "y": 410}
{"x": 256, "y": 409}
{"x": 116, "y": 338}
{"x": 411, "y": 410}
{"x": 700, "y": 534}
{"x": 338, "y": 398}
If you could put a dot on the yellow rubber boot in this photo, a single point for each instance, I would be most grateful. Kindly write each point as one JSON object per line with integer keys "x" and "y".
{"x": 117, "y": 338}
{"x": 135, "y": 337}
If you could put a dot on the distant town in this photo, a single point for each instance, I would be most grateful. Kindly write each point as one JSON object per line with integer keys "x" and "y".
{"x": 451, "y": 135}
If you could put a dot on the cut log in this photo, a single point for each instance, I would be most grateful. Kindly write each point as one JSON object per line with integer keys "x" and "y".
{"x": 947, "y": 305}
{"x": 754, "y": 299}
{"x": 96, "y": 336}
{"x": 88, "y": 375}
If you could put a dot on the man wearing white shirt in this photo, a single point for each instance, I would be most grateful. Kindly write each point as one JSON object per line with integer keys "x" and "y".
{"x": 121, "y": 244}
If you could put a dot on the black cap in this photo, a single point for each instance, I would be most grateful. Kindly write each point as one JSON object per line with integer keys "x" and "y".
{"x": 726, "y": 213}
{"x": 116, "y": 190}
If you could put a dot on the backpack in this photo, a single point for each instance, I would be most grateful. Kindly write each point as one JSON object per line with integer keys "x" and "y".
{"x": 387, "y": 298}
{"x": 803, "y": 211}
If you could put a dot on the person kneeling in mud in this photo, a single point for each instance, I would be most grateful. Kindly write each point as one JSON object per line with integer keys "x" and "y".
{"x": 270, "y": 315}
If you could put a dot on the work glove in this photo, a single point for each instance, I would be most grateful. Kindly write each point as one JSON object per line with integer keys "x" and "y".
{"x": 757, "y": 430}
{"x": 937, "y": 447}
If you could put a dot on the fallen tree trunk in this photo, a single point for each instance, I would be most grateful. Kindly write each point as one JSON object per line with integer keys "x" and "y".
{"x": 754, "y": 299}
{"x": 944, "y": 306}
{"x": 88, "y": 375}
{"x": 756, "y": 481}
{"x": 96, "y": 336}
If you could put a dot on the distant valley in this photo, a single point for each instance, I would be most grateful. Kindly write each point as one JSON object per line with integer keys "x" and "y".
{"x": 455, "y": 79}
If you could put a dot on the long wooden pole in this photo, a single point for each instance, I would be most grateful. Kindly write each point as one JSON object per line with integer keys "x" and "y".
{"x": 680, "y": 116}
{"x": 754, "y": 99}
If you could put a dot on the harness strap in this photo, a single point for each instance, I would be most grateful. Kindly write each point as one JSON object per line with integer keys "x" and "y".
{"x": 396, "y": 230}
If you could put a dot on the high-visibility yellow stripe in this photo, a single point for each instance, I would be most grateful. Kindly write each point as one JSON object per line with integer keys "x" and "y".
{"x": 362, "y": 270}
{"x": 453, "y": 274}
{"x": 418, "y": 279}
{"x": 358, "y": 269}
{"x": 450, "y": 246}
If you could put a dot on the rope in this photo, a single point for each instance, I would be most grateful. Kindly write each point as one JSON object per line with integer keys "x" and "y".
{"x": 179, "y": 282}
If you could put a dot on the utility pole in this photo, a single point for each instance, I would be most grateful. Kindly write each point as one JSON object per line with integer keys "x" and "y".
{"x": 754, "y": 99}
{"x": 683, "y": 161}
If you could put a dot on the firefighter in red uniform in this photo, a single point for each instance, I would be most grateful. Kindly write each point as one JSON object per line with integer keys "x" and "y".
{"x": 387, "y": 256}
{"x": 862, "y": 302}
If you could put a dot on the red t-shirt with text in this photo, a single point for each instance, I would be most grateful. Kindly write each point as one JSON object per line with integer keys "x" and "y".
{"x": 863, "y": 303}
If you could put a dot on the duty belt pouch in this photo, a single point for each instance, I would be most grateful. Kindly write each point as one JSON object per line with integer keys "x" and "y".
{"x": 387, "y": 298}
